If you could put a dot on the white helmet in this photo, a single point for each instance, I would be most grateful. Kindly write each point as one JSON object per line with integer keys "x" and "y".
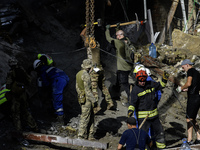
{"x": 148, "y": 71}
{"x": 138, "y": 68}
{"x": 37, "y": 63}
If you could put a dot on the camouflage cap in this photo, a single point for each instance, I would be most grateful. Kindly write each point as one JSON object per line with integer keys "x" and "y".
{"x": 12, "y": 62}
{"x": 87, "y": 63}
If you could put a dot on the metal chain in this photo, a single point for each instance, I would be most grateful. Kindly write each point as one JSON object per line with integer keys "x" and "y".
{"x": 90, "y": 39}
{"x": 87, "y": 18}
{"x": 92, "y": 18}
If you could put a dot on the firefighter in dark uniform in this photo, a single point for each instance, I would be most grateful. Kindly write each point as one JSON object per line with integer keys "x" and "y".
{"x": 143, "y": 100}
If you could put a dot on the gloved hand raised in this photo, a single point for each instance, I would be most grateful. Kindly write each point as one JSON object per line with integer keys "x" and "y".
{"x": 130, "y": 113}
{"x": 108, "y": 26}
{"x": 117, "y": 26}
{"x": 178, "y": 89}
{"x": 165, "y": 75}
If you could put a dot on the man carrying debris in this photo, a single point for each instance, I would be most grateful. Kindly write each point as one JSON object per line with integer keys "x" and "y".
{"x": 143, "y": 100}
{"x": 87, "y": 101}
{"x": 57, "y": 80}
{"x": 97, "y": 73}
{"x": 123, "y": 67}
{"x": 133, "y": 137}
{"x": 192, "y": 86}
{"x": 16, "y": 81}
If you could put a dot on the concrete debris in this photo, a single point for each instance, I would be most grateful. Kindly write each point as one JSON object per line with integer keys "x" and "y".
{"x": 186, "y": 41}
{"x": 64, "y": 140}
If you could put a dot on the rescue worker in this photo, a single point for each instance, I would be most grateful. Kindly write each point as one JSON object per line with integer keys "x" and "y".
{"x": 149, "y": 78}
{"x": 46, "y": 59}
{"x": 97, "y": 73}
{"x": 57, "y": 80}
{"x": 17, "y": 81}
{"x": 143, "y": 101}
{"x": 98, "y": 80}
{"x": 44, "y": 92}
{"x": 87, "y": 101}
{"x": 134, "y": 138}
{"x": 123, "y": 67}
{"x": 158, "y": 94}
{"x": 192, "y": 86}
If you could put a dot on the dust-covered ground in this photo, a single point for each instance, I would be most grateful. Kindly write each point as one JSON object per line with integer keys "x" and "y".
{"x": 45, "y": 31}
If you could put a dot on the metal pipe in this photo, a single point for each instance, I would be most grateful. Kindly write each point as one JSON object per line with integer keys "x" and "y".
{"x": 145, "y": 11}
{"x": 184, "y": 15}
{"x": 151, "y": 26}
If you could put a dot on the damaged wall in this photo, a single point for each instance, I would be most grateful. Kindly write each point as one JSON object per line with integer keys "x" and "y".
{"x": 186, "y": 41}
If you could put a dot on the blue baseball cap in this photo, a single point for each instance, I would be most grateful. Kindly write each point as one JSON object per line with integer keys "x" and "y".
{"x": 186, "y": 61}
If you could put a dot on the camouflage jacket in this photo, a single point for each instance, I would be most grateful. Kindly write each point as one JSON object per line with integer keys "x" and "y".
{"x": 83, "y": 84}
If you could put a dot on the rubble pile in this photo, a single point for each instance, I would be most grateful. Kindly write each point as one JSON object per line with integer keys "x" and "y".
{"x": 45, "y": 33}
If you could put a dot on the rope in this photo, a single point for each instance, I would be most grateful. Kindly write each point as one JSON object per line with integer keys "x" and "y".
{"x": 116, "y": 56}
{"x": 13, "y": 49}
{"x": 57, "y": 53}
{"x": 124, "y": 11}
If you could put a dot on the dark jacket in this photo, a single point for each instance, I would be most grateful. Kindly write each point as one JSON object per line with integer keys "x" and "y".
{"x": 143, "y": 99}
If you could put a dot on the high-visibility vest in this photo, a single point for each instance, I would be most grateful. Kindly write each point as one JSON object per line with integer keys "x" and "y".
{"x": 49, "y": 58}
{"x": 3, "y": 96}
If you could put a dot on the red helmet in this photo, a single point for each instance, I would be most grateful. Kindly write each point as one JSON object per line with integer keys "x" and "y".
{"x": 141, "y": 75}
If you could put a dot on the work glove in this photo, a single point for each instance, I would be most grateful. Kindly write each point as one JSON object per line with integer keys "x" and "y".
{"x": 165, "y": 75}
{"x": 108, "y": 26}
{"x": 130, "y": 113}
{"x": 117, "y": 26}
{"x": 178, "y": 89}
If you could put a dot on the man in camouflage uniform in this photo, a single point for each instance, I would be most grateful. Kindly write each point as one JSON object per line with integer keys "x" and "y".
{"x": 86, "y": 100}
{"x": 97, "y": 72}
{"x": 98, "y": 80}
{"x": 16, "y": 81}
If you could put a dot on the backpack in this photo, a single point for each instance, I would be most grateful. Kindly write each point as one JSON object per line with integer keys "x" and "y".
{"x": 129, "y": 51}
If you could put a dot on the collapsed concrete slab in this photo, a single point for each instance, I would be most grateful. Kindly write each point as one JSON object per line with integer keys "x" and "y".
{"x": 64, "y": 140}
{"x": 186, "y": 41}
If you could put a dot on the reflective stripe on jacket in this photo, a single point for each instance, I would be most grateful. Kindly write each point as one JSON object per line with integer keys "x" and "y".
{"x": 3, "y": 96}
{"x": 143, "y": 99}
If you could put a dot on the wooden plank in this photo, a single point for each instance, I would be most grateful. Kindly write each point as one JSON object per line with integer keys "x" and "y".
{"x": 64, "y": 140}
{"x": 169, "y": 20}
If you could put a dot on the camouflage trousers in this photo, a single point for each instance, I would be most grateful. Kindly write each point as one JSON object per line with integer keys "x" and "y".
{"x": 19, "y": 112}
{"x": 86, "y": 122}
{"x": 98, "y": 80}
